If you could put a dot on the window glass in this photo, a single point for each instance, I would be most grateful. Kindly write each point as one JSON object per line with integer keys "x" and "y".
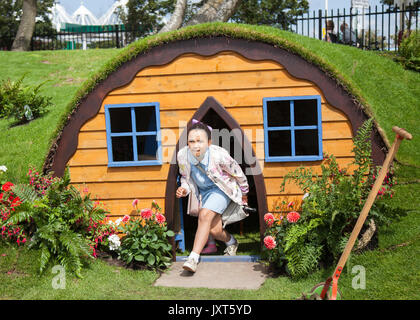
{"x": 306, "y": 142}
{"x": 306, "y": 112}
{"x": 122, "y": 148}
{"x": 145, "y": 119}
{"x": 120, "y": 119}
{"x": 278, "y": 113}
{"x": 279, "y": 143}
{"x": 147, "y": 147}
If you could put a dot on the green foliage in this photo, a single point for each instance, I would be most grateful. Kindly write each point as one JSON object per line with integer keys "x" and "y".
{"x": 22, "y": 103}
{"x": 58, "y": 223}
{"x": 330, "y": 208}
{"x": 145, "y": 16}
{"x": 146, "y": 240}
{"x": 409, "y": 50}
{"x": 278, "y": 13}
{"x": 10, "y": 15}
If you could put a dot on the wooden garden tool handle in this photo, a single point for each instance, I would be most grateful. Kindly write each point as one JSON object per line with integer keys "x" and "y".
{"x": 400, "y": 135}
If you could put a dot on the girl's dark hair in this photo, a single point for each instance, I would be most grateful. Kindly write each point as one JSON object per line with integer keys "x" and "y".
{"x": 199, "y": 125}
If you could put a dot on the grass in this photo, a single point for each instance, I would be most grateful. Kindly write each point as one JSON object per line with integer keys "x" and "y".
{"x": 64, "y": 72}
{"x": 392, "y": 272}
{"x": 385, "y": 89}
{"x": 382, "y": 86}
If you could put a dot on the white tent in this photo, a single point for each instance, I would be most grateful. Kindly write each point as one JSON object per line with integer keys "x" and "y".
{"x": 59, "y": 16}
{"x": 84, "y": 17}
{"x": 110, "y": 17}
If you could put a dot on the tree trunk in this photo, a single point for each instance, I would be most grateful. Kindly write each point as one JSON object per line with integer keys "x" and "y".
{"x": 176, "y": 18}
{"x": 215, "y": 10}
{"x": 26, "y": 28}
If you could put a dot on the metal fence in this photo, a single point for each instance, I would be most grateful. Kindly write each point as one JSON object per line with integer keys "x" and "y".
{"x": 367, "y": 28}
{"x": 111, "y": 37}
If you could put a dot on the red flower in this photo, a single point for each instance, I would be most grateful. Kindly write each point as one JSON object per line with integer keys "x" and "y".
{"x": 126, "y": 218}
{"x": 7, "y": 186}
{"x": 269, "y": 219}
{"x": 1, "y": 196}
{"x": 269, "y": 242}
{"x": 146, "y": 213}
{"x": 16, "y": 202}
{"x": 160, "y": 218}
{"x": 293, "y": 216}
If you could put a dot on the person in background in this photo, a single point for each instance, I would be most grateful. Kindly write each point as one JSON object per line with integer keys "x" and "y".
{"x": 330, "y": 36}
{"x": 347, "y": 36}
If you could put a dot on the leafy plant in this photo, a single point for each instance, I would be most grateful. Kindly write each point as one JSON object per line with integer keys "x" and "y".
{"x": 22, "y": 103}
{"x": 146, "y": 239}
{"x": 330, "y": 208}
{"x": 409, "y": 50}
{"x": 58, "y": 220}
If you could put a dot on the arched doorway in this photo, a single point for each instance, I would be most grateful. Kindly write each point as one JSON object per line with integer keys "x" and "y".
{"x": 226, "y": 133}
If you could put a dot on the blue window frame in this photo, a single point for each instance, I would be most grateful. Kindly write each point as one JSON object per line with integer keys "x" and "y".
{"x": 133, "y": 134}
{"x": 292, "y": 128}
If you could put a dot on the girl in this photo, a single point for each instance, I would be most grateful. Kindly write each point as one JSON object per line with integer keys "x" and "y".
{"x": 209, "y": 170}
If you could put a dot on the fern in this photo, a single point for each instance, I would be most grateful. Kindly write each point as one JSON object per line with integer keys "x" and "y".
{"x": 25, "y": 192}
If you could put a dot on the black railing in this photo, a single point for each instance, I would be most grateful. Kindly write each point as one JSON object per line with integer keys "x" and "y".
{"x": 116, "y": 38}
{"x": 369, "y": 28}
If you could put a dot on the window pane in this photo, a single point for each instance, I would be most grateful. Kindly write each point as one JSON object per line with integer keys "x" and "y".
{"x": 122, "y": 148}
{"x": 278, "y": 113}
{"x": 120, "y": 119}
{"x": 279, "y": 143}
{"x": 306, "y": 142}
{"x": 147, "y": 148}
{"x": 145, "y": 119}
{"x": 306, "y": 112}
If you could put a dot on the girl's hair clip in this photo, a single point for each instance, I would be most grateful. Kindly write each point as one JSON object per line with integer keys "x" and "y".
{"x": 194, "y": 121}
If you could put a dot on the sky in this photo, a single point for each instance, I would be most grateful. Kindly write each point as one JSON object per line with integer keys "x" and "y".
{"x": 99, "y": 7}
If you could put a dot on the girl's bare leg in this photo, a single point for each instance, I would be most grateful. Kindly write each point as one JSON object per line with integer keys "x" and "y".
{"x": 217, "y": 231}
{"x": 208, "y": 219}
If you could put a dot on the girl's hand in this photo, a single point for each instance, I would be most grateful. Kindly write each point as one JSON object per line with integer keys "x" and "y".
{"x": 181, "y": 192}
{"x": 245, "y": 200}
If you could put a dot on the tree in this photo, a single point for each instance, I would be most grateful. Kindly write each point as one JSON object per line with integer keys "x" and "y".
{"x": 12, "y": 17}
{"x": 23, "y": 37}
{"x": 177, "y": 16}
{"x": 278, "y": 13}
{"x": 145, "y": 17}
{"x": 215, "y": 10}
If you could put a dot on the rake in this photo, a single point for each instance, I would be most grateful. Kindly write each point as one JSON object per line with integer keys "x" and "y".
{"x": 321, "y": 290}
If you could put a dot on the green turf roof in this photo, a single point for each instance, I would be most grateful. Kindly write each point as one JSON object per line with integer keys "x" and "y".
{"x": 320, "y": 53}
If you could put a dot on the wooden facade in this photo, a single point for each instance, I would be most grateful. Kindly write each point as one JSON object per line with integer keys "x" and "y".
{"x": 236, "y": 76}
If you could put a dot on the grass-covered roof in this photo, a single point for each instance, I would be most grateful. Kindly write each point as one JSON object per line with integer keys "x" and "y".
{"x": 382, "y": 87}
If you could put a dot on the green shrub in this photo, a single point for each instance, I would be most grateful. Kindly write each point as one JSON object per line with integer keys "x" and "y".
{"x": 330, "y": 208}
{"x": 59, "y": 221}
{"x": 22, "y": 103}
{"x": 146, "y": 239}
{"x": 409, "y": 50}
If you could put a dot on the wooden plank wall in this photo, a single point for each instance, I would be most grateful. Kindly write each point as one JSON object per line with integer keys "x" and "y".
{"x": 181, "y": 87}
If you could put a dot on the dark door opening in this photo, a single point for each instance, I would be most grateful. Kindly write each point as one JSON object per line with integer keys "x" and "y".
{"x": 247, "y": 232}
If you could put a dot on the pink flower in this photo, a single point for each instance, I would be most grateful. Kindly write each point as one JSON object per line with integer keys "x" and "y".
{"x": 290, "y": 204}
{"x": 269, "y": 242}
{"x": 269, "y": 219}
{"x": 7, "y": 186}
{"x": 135, "y": 202}
{"x": 146, "y": 213}
{"x": 160, "y": 218}
{"x": 293, "y": 216}
{"x": 381, "y": 191}
{"x": 126, "y": 218}
{"x": 85, "y": 190}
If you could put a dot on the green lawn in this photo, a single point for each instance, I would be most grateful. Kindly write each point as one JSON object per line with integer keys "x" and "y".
{"x": 392, "y": 93}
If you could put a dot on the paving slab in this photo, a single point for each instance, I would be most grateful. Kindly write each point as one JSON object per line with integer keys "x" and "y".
{"x": 215, "y": 275}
